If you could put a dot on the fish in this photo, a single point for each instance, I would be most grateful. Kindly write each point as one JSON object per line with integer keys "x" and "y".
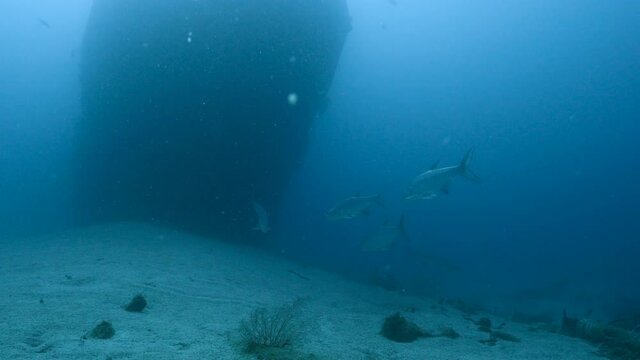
{"x": 438, "y": 179}
{"x": 385, "y": 238}
{"x": 263, "y": 218}
{"x": 354, "y": 206}
{"x": 44, "y": 23}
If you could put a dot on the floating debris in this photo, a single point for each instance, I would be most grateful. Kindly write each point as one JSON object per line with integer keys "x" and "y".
{"x": 44, "y": 23}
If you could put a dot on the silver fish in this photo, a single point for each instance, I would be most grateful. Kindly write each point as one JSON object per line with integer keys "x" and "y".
{"x": 354, "y": 206}
{"x": 385, "y": 238}
{"x": 438, "y": 179}
{"x": 263, "y": 218}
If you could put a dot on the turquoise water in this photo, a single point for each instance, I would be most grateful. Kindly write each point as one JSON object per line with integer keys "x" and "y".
{"x": 185, "y": 113}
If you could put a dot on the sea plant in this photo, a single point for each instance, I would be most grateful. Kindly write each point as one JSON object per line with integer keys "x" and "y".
{"x": 277, "y": 327}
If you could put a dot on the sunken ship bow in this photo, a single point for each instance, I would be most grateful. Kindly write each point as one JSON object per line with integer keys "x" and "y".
{"x": 191, "y": 110}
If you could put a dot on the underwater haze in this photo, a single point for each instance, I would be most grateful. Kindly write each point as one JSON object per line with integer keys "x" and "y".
{"x": 546, "y": 93}
{"x": 336, "y": 136}
{"x": 39, "y": 102}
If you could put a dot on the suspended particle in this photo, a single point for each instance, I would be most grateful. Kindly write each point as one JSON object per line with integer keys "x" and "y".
{"x": 292, "y": 99}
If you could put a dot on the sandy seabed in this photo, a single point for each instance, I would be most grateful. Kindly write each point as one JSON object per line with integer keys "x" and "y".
{"x": 55, "y": 289}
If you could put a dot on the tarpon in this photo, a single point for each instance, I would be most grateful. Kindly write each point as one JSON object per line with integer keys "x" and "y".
{"x": 385, "y": 238}
{"x": 263, "y": 218}
{"x": 354, "y": 206}
{"x": 438, "y": 179}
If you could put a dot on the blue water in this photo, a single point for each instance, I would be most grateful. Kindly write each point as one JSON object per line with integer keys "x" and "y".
{"x": 547, "y": 93}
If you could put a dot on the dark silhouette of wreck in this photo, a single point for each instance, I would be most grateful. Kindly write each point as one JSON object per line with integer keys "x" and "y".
{"x": 193, "y": 109}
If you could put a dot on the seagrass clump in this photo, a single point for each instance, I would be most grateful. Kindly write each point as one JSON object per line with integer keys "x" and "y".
{"x": 277, "y": 327}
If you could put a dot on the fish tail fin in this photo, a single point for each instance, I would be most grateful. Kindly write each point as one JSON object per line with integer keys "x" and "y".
{"x": 403, "y": 230}
{"x": 464, "y": 167}
{"x": 261, "y": 229}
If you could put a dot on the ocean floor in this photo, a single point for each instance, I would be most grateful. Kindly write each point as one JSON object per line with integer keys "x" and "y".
{"x": 55, "y": 289}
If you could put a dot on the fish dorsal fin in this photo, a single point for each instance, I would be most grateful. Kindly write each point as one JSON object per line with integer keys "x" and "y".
{"x": 464, "y": 167}
{"x": 401, "y": 228}
{"x": 401, "y": 223}
{"x": 435, "y": 165}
